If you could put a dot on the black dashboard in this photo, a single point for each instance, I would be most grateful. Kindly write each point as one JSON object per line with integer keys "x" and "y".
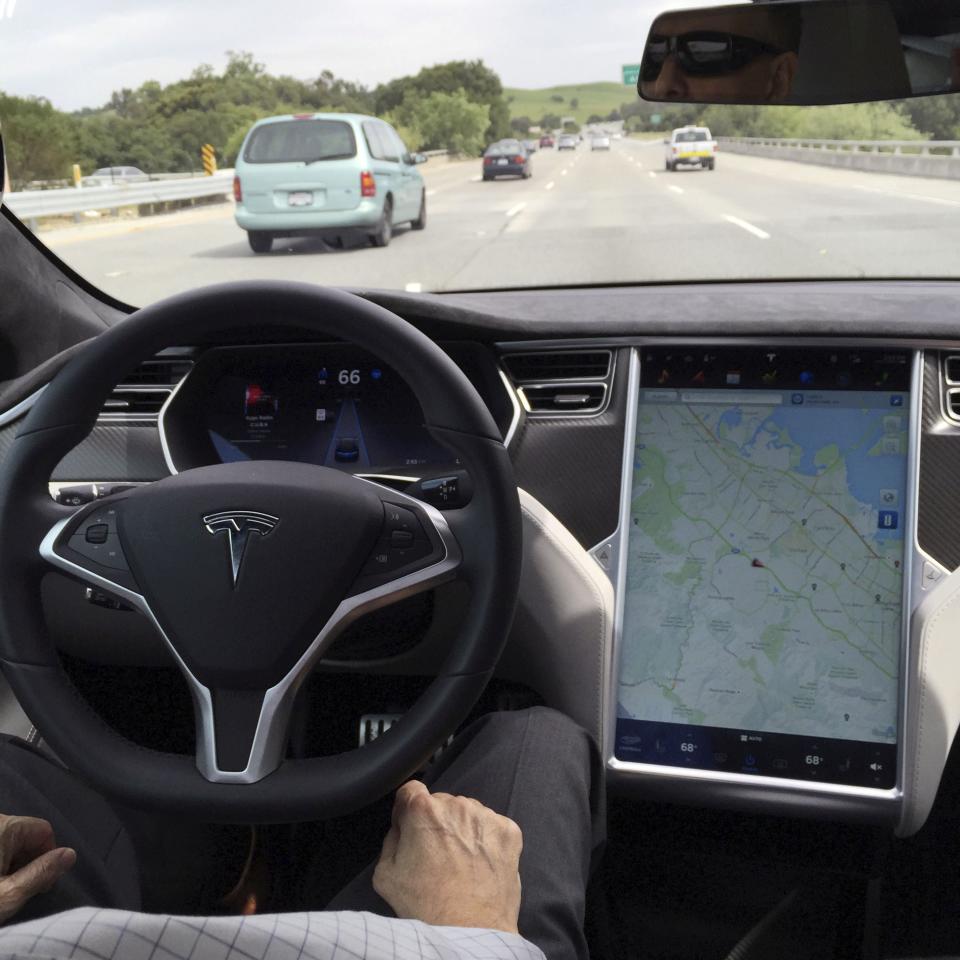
{"x": 567, "y": 375}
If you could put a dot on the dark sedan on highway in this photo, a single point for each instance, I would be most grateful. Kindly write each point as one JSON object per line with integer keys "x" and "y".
{"x": 506, "y": 158}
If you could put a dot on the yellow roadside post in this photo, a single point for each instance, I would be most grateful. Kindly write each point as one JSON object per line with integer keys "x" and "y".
{"x": 209, "y": 156}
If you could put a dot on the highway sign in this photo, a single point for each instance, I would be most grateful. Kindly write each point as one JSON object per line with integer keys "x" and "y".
{"x": 631, "y": 73}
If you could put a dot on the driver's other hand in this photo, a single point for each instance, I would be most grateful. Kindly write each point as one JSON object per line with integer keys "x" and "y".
{"x": 29, "y": 862}
{"x": 450, "y": 861}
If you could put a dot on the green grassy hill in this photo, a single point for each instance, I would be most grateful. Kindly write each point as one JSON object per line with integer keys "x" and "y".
{"x": 599, "y": 98}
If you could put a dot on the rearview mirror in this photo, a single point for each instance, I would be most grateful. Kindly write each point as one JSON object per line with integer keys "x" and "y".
{"x": 419, "y": 158}
{"x": 806, "y": 52}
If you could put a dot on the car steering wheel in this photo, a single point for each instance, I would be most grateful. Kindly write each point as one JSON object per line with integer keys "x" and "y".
{"x": 250, "y": 570}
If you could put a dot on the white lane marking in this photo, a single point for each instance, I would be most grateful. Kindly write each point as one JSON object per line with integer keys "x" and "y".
{"x": 910, "y": 196}
{"x": 749, "y": 227}
{"x": 481, "y": 233}
{"x": 651, "y": 175}
{"x": 563, "y": 173}
{"x": 675, "y": 189}
{"x": 430, "y": 193}
{"x": 476, "y": 179}
{"x": 414, "y": 287}
{"x": 513, "y": 211}
{"x": 550, "y": 185}
{"x": 114, "y": 273}
{"x": 639, "y": 164}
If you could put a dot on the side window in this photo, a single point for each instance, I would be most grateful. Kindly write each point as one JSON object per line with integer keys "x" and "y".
{"x": 391, "y": 143}
{"x": 371, "y": 133}
{"x": 399, "y": 144}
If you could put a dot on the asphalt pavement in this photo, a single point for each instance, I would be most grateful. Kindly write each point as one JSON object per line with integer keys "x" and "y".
{"x": 584, "y": 217}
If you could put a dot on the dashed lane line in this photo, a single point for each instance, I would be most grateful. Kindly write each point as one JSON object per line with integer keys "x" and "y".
{"x": 749, "y": 227}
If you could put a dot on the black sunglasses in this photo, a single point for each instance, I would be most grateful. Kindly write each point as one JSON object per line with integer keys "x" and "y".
{"x": 703, "y": 53}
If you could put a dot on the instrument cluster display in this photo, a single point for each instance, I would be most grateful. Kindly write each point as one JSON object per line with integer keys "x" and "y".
{"x": 332, "y": 405}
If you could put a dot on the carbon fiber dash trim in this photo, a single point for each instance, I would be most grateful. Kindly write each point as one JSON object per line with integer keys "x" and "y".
{"x": 938, "y": 506}
{"x": 115, "y": 452}
{"x": 7, "y": 434}
{"x": 572, "y": 464}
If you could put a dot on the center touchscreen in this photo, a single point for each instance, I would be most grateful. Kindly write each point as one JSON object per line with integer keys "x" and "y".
{"x": 763, "y": 584}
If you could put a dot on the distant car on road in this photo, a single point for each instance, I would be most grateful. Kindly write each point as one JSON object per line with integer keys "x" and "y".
{"x": 326, "y": 174}
{"x": 600, "y": 142}
{"x": 506, "y": 158}
{"x": 567, "y": 141}
{"x": 691, "y": 145}
{"x": 531, "y": 146}
{"x": 106, "y": 176}
{"x": 547, "y": 141}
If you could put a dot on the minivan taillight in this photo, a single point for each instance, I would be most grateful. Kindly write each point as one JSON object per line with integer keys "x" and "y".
{"x": 368, "y": 186}
{"x": 237, "y": 190}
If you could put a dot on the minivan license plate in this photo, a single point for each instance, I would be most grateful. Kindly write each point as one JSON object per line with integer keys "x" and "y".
{"x": 300, "y": 199}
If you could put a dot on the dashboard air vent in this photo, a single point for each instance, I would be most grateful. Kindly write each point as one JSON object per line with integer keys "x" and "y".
{"x": 559, "y": 365}
{"x": 161, "y": 371}
{"x": 953, "y": 404}
{"x": 565, "y": 397}
{"x": 143, "y": 392}
{"x": 951, "y": 369}
{"x": 561, "y": 382}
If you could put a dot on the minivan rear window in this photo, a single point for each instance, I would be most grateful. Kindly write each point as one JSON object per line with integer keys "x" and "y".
{"x": 692, "y": 136}
{"x": 307, "y": 141}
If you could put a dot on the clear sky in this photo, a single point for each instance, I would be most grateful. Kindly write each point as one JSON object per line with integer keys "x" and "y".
{"x": 77, "y": 52}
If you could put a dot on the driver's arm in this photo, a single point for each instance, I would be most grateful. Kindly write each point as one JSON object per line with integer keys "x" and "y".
{"x": 450, "y": 861}
{"x": 30, "y": 862}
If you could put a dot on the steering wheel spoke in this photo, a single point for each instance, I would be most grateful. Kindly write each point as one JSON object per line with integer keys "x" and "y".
{"x": 415, "y": 550}
{"x": 87, "y": 545}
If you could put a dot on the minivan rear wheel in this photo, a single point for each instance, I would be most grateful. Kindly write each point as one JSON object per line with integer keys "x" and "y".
{"x": 384, "y": 232}
{"x": 260, "y": 242}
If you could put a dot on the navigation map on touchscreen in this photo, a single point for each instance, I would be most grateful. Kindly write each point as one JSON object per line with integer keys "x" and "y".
{"x": 764, "y": 570}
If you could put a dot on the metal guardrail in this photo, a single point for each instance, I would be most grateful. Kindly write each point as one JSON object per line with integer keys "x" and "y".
{"x": 32, "y": 204}
{"x": 923, "y": 148}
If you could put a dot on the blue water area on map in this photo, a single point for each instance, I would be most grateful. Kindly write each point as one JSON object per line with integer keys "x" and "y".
{"x": 854, "y": 430}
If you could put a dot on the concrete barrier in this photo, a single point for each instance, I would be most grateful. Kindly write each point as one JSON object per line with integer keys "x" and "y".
{"x": 874, "y": 156}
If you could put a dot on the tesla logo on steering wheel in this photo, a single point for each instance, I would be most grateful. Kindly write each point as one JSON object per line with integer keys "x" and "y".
{"x": 238, "y": 525}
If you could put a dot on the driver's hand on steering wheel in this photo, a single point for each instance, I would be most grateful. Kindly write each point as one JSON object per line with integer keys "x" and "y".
{"x": 30, "y": 863}
{"x": 450, "y": 861}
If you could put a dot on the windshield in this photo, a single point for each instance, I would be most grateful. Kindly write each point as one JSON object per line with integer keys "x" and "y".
{"x": 160, "y": 149}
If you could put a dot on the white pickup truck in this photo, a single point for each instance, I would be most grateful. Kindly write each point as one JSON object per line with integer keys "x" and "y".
{"x": 693, "y": 145}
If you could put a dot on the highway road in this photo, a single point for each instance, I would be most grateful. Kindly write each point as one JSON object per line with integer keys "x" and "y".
{"x": 584, "y": 217}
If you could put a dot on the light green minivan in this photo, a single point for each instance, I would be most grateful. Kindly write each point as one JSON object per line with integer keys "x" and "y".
{"x": 326, "y": 174}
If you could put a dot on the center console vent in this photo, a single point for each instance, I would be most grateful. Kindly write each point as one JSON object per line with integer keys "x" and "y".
{"x": 950, "y": 367}
{"x": 142, "y": 394}
{"x": 558, "y": 365}
{"x": 562, "y": 382}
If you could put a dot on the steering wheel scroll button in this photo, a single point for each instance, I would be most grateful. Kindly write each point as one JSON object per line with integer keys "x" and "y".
{"x": 97, "y": 533}
{"x": 107, "y": 552}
